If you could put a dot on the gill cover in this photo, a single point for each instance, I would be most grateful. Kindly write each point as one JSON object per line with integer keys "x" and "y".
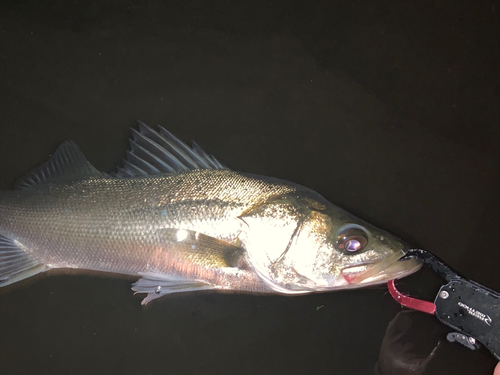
{"x": 300, "y": 243}
{"x": 272, "y": 240}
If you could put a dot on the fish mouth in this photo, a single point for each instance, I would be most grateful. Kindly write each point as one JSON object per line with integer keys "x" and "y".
{"x": 381, "y": 271}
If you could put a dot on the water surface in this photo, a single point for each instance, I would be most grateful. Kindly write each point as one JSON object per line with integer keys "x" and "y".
{"x": 389, "y": 111}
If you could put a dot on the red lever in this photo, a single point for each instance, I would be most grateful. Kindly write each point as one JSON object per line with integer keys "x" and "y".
{"x": 410, "y": 302}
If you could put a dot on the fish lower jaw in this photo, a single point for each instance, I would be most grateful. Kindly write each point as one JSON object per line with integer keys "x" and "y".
{"x": 395, "y": 270}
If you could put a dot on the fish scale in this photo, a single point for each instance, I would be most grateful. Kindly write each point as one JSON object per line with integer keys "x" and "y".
{"x": 200, "y": 228}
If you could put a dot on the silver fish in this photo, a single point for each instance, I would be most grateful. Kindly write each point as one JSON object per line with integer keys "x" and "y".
{"x": 182, "y": 221}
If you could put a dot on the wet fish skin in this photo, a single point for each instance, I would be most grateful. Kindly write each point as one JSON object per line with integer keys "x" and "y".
{"x": 116, "y": 225}
{"x": 186, "y": 230}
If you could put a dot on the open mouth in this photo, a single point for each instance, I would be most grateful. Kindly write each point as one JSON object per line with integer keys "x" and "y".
{"x": 382, "y": 271}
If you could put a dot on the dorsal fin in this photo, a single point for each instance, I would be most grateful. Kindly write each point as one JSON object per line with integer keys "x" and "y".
{"x": 154, "y": 152}
{"x": 66, "y": 164}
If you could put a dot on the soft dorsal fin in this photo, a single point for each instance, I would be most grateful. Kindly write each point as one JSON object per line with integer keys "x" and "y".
{"x": 153, "y": 152}
{"x": 66, "y": 164}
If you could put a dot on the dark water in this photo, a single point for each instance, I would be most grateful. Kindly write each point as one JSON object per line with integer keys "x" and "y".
{"x": 389, "y": 109}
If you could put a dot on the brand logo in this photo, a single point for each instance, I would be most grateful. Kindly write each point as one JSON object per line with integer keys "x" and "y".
{"x": 476, "y": 314}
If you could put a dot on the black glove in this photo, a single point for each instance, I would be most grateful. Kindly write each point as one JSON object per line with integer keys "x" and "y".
{"x": 415, "y": 343}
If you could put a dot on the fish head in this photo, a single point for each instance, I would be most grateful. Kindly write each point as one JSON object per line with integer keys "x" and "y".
{"x": 300, "y": 243}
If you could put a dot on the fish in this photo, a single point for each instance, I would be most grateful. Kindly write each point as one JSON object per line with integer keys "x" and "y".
{"x": 181, "y": 221}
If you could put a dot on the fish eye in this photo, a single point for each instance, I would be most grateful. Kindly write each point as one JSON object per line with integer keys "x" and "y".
{"x": 352, "y": 240}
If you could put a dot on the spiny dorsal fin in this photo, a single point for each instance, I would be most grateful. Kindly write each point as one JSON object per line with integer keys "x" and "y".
{"x": 66, "y": 164}
{"x": 154, "y": 152}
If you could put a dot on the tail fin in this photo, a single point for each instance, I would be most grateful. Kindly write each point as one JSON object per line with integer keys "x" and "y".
{"x": 15, "y": 263}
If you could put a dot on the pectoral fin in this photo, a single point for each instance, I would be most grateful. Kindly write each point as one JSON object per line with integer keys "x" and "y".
{"x": 189, "y": 249}
{"x": 158, "y": 285}
{"x": 199, "y": 249}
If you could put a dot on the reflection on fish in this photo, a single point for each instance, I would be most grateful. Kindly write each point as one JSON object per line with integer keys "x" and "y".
{"x": 182, "y": 221}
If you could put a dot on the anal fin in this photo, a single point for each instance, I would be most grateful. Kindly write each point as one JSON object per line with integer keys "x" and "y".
{"x": 15, "y": 264}
{"x": 157, "y": 285}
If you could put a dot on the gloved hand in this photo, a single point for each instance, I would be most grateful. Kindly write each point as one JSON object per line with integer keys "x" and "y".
{"x": 415, "y": 343}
